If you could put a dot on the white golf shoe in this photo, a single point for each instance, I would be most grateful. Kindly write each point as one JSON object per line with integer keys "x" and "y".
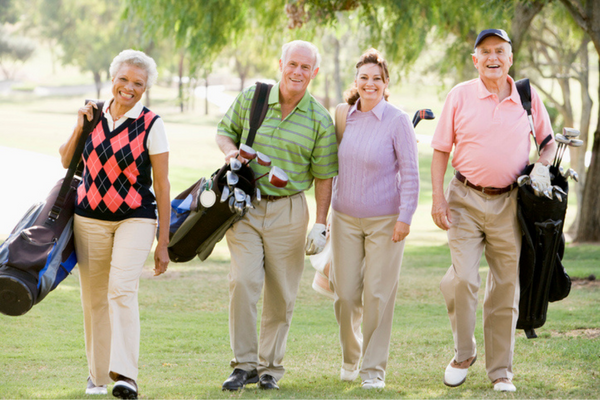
{"x": 504, "y": 385}
{"x": 347, "y": 375}
{"x": 457, "y": 376}
{"x": 373, "y": 384}
{"x": 93, "y": 389}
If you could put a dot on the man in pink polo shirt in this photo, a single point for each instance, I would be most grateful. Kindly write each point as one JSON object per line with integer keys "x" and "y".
{"x": 485, "y": 122}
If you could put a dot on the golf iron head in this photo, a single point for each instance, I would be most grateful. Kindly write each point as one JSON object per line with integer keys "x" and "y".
{"x": 571, "y": 132}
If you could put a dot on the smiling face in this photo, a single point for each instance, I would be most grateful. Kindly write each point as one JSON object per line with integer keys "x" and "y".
{"x": 297, "y": 71}
{"x": 371, "y": 84}
{"x": 493, "y": 58}
{"x": 129, "y": 84}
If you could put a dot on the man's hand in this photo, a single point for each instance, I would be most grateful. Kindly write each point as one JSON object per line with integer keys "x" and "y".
{"x": 540, "y": 174}
{"x": 315, "y": 242}
{"x": 401, "y": 231}
{"x": 440, "y": 211}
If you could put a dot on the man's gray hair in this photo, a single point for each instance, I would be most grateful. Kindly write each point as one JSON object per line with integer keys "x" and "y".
{"x": 138, "y": 59}
{"x": 302, "y": 44}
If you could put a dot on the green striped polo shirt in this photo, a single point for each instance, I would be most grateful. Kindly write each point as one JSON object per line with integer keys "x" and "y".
{"x": 303, "y": 144}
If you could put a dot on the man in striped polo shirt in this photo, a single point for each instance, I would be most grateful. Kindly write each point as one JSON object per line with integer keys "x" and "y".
{"x": 268, "y": 245}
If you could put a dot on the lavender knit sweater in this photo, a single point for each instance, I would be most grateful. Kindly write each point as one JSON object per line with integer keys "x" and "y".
{"x": 378, "y": 165}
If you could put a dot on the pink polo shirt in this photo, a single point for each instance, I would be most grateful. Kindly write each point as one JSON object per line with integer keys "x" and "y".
{"x": 491, "y": 139}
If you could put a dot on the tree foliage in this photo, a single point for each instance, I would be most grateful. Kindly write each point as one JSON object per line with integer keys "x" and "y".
{"x": 14, "y": 50}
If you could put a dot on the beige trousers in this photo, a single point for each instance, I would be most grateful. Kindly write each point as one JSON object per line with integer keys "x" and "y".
{"x": 483, "y": 222}
{"x": 111, "y": 256}
{"x": 267, "y": 249}
{"x": 365, "y": 291}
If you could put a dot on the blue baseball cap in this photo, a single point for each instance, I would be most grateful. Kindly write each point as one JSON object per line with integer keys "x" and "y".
{"x": 492, "y": 32}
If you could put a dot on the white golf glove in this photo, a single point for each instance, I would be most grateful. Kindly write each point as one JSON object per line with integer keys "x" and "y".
{"x": 540, "y": 174}
{"x": 315, "y": 242}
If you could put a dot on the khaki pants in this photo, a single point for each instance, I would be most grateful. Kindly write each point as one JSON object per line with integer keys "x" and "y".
{"x": 111, "y": 256}
{"x": 483, "y": 222}
{"x": 365, "y": 291}
{"x": 267, "y": 248}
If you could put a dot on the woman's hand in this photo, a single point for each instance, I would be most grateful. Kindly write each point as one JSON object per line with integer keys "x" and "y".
{"x": 401, "y": 231}
{"x": 85, "y": 111}
{"x": 161, "y": 259}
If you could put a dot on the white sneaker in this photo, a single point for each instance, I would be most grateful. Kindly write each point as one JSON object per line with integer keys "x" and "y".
{"x": 456, "y": 376}
{"x": 347, "y": 375}
{"x": 93, "y": 389}
{"x": 504, "y": 385}
{"x": 373, "y": 384}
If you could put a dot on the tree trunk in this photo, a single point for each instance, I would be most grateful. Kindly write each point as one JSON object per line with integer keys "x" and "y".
{"x": 589, "y": 225}
{"x": 327, "y": 101}
{"x": 337, "y": 77}
{"x": 577, "y": 154}
{"x": 98, "y": 82}
{"x": 588, "y": 18}
{"x": 181, "y": 82}
{"x": 525, "y": 11}
{"x": 206, "y": 93}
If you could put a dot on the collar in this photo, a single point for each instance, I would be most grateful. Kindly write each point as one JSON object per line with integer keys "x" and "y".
{"x": 377, "y": 110}
{"x": 303, "y": 105}
{"x": 134, "y": 113}
{"x": 482, "y": 91}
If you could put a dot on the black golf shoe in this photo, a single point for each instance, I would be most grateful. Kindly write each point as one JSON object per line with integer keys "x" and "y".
{"x": 267, "y": 382}
{"x": 240, "y": 378}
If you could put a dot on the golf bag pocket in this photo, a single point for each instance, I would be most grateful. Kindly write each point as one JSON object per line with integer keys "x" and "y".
{"x": 31, "y": 248}
{"x": 183, "y": 204}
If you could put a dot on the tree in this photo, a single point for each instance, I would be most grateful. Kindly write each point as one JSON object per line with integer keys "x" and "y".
{"x": 587, "y": 15}
{"x": 88, "y": 34}
{"x": 557, "y": 51}
{"x": 14, "y": 50}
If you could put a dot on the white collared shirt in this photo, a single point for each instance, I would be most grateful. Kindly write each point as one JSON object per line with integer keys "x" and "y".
{"x": 157, "y": 137}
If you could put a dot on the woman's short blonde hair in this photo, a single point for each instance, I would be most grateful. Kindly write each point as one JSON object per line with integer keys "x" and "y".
{"x": 138, "y": 59}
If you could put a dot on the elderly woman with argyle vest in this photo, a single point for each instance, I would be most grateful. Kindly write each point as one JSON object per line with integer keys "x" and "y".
{"x": 124, "y": 188}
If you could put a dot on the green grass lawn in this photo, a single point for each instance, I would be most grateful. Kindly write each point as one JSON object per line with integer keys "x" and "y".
{"x": 185, "y": 349}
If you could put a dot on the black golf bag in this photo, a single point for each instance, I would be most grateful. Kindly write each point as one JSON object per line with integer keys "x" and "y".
{"x": 195, "y": 229}
{"x": 542, "y": 276}
{"x": 40, "y": 251}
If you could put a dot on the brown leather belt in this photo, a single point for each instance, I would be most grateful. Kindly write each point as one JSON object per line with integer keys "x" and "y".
{"x": 268, "y": 197}
{"x": 485, "y": 190}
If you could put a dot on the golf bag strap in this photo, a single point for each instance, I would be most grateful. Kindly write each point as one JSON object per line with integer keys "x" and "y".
{"x": 258, "y": 109}
{"x": 524, "y": 89}
{"x": 341, "y": 114}
{"x": 88, "y": 127}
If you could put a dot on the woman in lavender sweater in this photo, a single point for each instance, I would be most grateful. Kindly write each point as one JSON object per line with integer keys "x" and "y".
{"x": 374, "y": 198}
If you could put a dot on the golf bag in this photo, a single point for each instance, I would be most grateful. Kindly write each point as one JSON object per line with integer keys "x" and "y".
{"x": 195, "y": 229}
{"x": 542, "y": 276}
{"x": 40, "y": 251}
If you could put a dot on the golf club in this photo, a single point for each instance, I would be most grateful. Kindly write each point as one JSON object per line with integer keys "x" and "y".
{"x": 424, "y": 113}
{"x": 232, "y": 179}
{"x": 572, "y": 143}
{"x": 262, "y": 159}
{"x": 570, "y": 132}
{"x": 562, "y": 144}
{"x": 247, "y": 152}
{"x": 235, "y": 164}
{"x": 225, "y": 194}
{"x": 277, "y": 177}
{"x": 523, "y": 180}
{"x": 239, "y": 195}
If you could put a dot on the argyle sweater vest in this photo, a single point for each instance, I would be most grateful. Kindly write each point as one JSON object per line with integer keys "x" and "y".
{"x": 117, "y": 178}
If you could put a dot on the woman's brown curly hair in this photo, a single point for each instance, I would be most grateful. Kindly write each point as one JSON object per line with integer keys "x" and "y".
{"x": 370, "y": 56}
